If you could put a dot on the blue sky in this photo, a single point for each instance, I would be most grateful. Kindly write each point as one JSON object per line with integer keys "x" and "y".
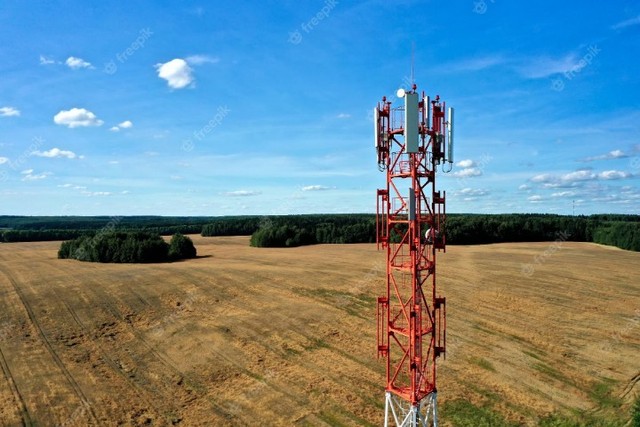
{"x": 264, "y": 107}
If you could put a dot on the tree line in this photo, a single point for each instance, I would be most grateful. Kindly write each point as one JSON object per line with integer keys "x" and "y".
{"x": 127, "y": 247}
{"x": 622, "y": 231}
{"x": 299, "y": 230}
{"x": 295, "y": 230}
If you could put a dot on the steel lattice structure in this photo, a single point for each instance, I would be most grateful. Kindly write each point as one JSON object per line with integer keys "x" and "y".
{"x": 412, "y": 141}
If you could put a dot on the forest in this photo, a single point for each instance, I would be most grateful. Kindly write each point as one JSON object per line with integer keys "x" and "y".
{"x": 622, "y": 231}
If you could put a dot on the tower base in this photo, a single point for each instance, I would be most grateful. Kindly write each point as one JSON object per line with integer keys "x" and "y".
{"x": 400, "y": 413}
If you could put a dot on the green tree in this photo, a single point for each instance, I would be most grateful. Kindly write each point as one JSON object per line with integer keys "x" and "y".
{"x": 181, "y": 247}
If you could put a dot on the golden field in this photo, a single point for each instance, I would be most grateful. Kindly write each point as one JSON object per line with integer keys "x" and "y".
{"x": 248, "y": 336}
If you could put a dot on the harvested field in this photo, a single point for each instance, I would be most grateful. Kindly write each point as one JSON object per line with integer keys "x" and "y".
{"x": 243, "y": 335}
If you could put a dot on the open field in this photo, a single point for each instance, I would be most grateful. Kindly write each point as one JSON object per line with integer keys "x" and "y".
{"x": 247, "y": 336}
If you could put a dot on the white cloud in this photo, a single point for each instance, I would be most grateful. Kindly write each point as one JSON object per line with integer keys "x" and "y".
{"x": 570, "y": 179}
{"x": 534, "y": 199}
{"x": 524, "y": 187}
{"x": 77, "y": 63}
{"x": 9, "y": 112}
{"x": 55, "y": 152}
{"x": 467, "y": 173}
{"x": 96, "y": 193}
{"x": 46, "y": 61}
{"x": 124, "y": 125}
{"x": 66, "y": 185}
{"x": 3, "y": 160}
{"x": 77, "y": 117}
{"x": 577, "y": 179}
{"x": 615, "y": 154}
{"x": 545, "y": 177}
{"x": 580, "y": 175}
{"x": 343, "y": 116}
{"x": 176, "y": 72}
{"x": 614, "y": 174}
{"x": 467, "y": 163}
{"x": 243, "y": 193}
{"x": 472, "y": 192}
{"x": 316, "y": 188}
{"x": 563, "y": 194}
{"x": 30, "y": 176}
{"x": 626, "y": 23}
{"x": 541, "y": 67}
{"x": 202, "y": 59}
{"x": 476, "y": 64}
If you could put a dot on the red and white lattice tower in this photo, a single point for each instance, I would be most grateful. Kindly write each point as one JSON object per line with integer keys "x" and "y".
{"x": 412, "y": 142}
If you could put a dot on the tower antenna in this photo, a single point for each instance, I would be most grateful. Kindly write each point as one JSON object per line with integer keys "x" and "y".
{"x": 413, "y": 61}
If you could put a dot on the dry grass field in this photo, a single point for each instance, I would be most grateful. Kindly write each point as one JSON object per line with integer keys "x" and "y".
{"x": 247, "y": 336}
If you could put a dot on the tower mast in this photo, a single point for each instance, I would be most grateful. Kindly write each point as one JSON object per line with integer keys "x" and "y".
{"x": 411, "y": 141}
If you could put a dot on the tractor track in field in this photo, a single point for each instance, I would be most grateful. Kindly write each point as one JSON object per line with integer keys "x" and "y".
{"x": 24, "y": 412}
{"x": 72, "y": 382}
{"x": 107, "y": 302}
{"x": 631, "y": 384}
{"x": 291, "y": 326}
{"x": 109, "y": 305}
{"x": 107, "y": 358}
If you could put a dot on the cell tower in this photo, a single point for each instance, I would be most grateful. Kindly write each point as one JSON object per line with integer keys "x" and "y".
{"x": 412, "y": 141}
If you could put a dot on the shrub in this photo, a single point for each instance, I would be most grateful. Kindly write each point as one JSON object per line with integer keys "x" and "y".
{"x": 127, "y": 247}
{"x": 181, "y": 247}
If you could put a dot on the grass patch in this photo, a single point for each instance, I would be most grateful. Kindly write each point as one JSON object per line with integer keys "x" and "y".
{"x": 483, "y": 329}
{"x": 516, "y": 338}
{"x": 551, "y": 372}
{"x": 316, "y": 343}
{"x": 601, "y": 393}
{"x": 556, "y": 420}
{"x": 635, "y": 413}
{"x": 353, "y": 304}
{"x": 338, "y": 417}
{"x": 483, "y": 363}
{"x": 462, "y": 413}
{"x": 532, "y": 354}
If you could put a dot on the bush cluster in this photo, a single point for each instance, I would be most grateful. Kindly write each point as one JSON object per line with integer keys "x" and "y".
{"x": 127, "y": 247}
